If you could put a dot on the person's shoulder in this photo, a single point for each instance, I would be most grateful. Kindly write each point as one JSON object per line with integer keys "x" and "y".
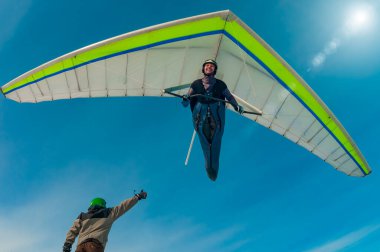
{"x": 221, "y": 82}
{"x": 108, "y": 211}
{"x": 197, "y": 81}
{"x": 81, "y": 216}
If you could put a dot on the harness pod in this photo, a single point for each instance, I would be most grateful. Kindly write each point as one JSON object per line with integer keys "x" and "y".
{"x": 208, "y": 121}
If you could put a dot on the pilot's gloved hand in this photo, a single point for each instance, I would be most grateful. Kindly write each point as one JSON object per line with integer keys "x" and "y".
{"x": 141, "y": 195}
{"x": 185, "y": 100}
{"x": 239, "y": 109}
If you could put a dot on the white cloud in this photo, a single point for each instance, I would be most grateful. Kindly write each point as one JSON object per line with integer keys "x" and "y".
{"x": 15, "y": 237}
{"x": 40, "y": 223}
{"x": 32, "y": 226}
{"x": 346, "y": 240}
{"x": 171, "y": 233}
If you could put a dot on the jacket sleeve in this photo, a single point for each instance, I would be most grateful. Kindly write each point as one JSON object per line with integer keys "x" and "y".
{"x": 74, "y": 231}
{"x": 192, "y": 88}
{"x": 124, "y": 206}
{"x": 229, "y": 97}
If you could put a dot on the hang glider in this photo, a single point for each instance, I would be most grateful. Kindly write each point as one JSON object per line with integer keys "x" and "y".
{"x": 147, "y": 61}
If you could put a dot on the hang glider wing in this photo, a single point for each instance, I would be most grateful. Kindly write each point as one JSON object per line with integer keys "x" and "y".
{"x": 166, "y": 56}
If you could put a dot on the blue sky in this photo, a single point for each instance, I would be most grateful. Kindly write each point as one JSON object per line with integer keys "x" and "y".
{"x": 271, "y": 195}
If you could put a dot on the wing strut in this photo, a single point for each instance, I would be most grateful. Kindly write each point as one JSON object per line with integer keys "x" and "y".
{"x": 190, "y": 148}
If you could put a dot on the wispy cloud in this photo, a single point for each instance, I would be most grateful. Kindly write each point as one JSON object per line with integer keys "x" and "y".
{"x": 346, "y": 240}
{"x": 40, "y": 223}
{"x": 175, "y": 234}
{"x": 30, "y": 225}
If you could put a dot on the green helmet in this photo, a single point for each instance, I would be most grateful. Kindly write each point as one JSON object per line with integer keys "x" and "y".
{"x": 98, "y": 202}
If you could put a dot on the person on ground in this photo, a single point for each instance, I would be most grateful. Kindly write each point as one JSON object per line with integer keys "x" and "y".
{"x": 92, "y": 228}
